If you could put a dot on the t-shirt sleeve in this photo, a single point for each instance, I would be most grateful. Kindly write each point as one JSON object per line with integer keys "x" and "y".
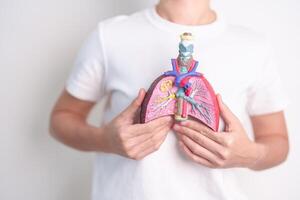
{"x": 87, "y": 78}
{"x": 267, "y": 94}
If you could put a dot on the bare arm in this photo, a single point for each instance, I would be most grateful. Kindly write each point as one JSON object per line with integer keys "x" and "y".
{"x": 68, "y": 123}
{"x": 232, "y": 147}
{"x": 120, "y": 136}
{"x": 271, "y": 134}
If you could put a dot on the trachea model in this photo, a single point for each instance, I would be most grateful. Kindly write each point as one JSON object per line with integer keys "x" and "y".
{"x": 182, "y": 92}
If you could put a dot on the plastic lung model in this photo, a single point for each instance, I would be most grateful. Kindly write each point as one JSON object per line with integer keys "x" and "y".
{"x": 182, "y": 92}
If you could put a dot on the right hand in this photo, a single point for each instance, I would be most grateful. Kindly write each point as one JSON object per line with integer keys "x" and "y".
{"x": 134, "y": 140}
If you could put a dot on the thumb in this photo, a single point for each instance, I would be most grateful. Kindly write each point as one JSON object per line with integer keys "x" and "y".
{"x": 227, "y": 115}
{"x": 130, "y": 111}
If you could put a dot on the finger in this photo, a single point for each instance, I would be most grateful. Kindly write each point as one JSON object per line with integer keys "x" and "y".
{"x": 203, "y": 129}
{"x": 200, "y": 139}
{"x": 160, "y": 140}
{"x": 200, "y": 151}
{"x": 150, "y": 127}
{"x": 130, "y": 111}
{"x": 138, "y": 139}
{"x": 194, "y": 157}
{"x": 150, "y": 145}
{"x": 225, "y": 112}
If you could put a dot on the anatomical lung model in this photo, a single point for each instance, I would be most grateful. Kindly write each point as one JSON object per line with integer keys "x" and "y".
{"x": 182, "y": 92}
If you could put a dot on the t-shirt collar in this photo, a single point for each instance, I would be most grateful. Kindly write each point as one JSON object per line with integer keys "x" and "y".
{"x": 203, "y": 31}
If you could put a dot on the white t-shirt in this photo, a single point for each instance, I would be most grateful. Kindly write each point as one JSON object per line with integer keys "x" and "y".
{"x": 128, "y": 52}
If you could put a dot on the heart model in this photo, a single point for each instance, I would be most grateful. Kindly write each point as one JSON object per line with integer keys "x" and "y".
{"x": 182, "y": 92}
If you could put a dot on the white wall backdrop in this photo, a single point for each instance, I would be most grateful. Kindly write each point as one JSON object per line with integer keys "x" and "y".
{"x": 38, "y": 44}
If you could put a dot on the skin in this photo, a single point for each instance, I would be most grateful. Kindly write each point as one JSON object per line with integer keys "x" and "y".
{"x": 232, "y": 147}
{"x": 122, "y": 136}
{"x": 126, "y": 137}
{"x": 186, "y": 12}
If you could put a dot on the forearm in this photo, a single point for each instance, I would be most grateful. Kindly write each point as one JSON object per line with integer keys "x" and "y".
{"x": 74, "y": 131}
{"x": 270, "y": 150}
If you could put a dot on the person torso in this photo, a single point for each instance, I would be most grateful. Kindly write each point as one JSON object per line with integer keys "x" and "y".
{"x": 137, "y": 51}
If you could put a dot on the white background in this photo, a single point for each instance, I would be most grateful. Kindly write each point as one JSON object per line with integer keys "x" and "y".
{"x": 38, "y": 44}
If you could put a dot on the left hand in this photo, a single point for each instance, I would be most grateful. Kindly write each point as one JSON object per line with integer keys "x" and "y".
{"x": 229, "y": 148}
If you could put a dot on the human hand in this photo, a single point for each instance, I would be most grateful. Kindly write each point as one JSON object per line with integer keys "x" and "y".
{"x": 228, "y": 148}
{"x": 133, "y": 140}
